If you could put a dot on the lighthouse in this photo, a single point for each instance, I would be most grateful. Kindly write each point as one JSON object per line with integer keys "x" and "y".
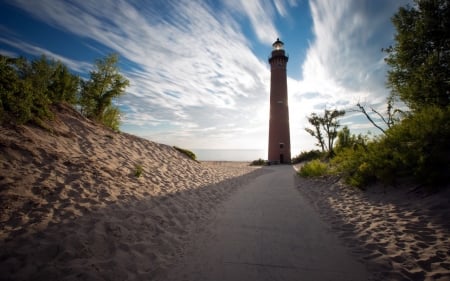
{"x": 279, "y": 136}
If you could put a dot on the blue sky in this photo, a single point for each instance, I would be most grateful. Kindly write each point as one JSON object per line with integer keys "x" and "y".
{"x": 198, "y": 70}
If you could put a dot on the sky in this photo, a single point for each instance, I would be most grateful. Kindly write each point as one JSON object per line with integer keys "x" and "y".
{"x": 198, "y": 70}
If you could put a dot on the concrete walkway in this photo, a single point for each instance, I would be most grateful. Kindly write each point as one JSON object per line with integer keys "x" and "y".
{"x": 267, "y": 231}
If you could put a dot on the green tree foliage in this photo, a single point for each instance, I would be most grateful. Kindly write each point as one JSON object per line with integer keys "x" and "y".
{"x": 308, "y": 156}
{"x": 15, "y": 91}
{"x": 344, "y": 138}
{"x": 28, "y": 88}
{"x": 314, "y": 168}
{"x": 38, "y": 73}
{"x": 325, "y": 128}
{"x": 347, "y": 140}
{"x": 421, "y": 144}
{"x": 417, "y": 148}
{"x": 111, "y": 117}
{"x": 415, "y": 145}
{"x": 64, "y": 86}
{"x": 97, "y": 94}
{"x": 420, "y": 59}
{"x": 316, "y": 122}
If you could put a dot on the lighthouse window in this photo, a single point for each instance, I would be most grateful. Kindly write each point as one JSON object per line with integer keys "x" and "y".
{"x": 281, "y": 145}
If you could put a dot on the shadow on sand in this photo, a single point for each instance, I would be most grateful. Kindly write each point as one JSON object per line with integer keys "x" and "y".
{"x": 402, "y": 234}
{"x": 96, "y": 239}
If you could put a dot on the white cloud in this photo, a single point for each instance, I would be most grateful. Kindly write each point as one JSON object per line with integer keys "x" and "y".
{"x": 283, "y": 6}
{"x": 193, "y": 67}
{"x": 195, "y": 81}
{"x": 260, "y": 14}
{"x": 344, "y": 63}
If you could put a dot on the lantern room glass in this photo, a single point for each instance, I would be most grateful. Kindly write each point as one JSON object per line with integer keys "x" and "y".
{"x": 278, "y": 45}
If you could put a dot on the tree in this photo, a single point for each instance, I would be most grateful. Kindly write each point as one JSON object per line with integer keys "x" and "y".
{"x": 15, "y": 95}
{"x": 316, "y": 132}
{"x": 325, "y": 128}
{"x": 420, "y": 59}
{"x": 389, "y": 120}
{"x": 346, "y": 140}
{"x": 97, "y": 94}
{"x": 416, "y": 145}
{"x": 330, "y": 125}
{"x": 38, "y": 72}
{"x": 63, "y": 85}
{"x": 24, "y": 90}
{"x": 111, "y": 117}
{"x": 29, "y": 88}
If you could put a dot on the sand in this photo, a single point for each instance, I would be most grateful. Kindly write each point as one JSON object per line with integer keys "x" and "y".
{"x": 401, "y": 233}
{"x": 72, "y": 207}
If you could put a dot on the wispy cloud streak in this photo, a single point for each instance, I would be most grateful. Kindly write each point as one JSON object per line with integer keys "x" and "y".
{"x": 187, "y": 58}
{"x": 344, "y": 63}
{"x": 194, "y": 75}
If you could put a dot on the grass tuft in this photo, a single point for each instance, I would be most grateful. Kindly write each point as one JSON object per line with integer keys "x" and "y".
{"x": 139, "y": 170}
{"x": 186, "y": 152}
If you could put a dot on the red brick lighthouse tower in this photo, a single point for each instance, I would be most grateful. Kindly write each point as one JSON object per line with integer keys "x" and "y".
{"x": 279, "y": 136}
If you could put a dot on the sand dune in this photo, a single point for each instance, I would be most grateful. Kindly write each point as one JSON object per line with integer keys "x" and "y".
{"x": 72, "y": 207}
{"x": 403, "y": 233}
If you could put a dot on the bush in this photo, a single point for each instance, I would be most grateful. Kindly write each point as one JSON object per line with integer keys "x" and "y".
{"x": 97, "y": 94}
{"x": 314, "y": 168}
{"x": 420, "y": 145}
{"x": 415, "y": 148}
{"x": 138, "y": 171}
{"x": 259, "y": 162}
{"x": 308, "y": 156}
{"x": 186, "y": 152}
{"x": 354, "y": 166}
{"x": 111, "y": 118}
{"x": 29, "y": 88}
{"x": 15, "y": 92}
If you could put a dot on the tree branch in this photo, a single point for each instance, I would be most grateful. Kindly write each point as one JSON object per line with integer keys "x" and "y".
{"x": 363, "y": 110}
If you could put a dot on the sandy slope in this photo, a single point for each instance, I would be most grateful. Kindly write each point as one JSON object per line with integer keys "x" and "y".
{"x": 403, "y": 233}
{"x": 71, "y": 207}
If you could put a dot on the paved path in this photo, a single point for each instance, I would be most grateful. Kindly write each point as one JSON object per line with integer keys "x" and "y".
{"x": 267, "y": 231}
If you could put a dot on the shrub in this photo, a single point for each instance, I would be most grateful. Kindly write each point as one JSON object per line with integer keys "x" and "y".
{"x": 415, "y": 148}
{"x": 259, "y": 162}
{"x": 187, "y": 152}
{"x": 138, "y": 171}
{"x": 111, "y": 118}
{"x": 97, "y": 94}
{"x": 314, "y": 168}
{"x": 420, "y": 145}
{"x": 15, "y": 91}
{"x": 308, "y": 156}
{"x": 353, "y": 165}
{"x": 29, "y": 88}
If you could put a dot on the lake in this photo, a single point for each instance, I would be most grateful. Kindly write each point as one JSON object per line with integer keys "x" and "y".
{"x": 229, "y": 154}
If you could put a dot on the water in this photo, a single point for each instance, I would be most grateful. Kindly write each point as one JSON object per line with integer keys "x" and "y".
{"x": 246, "y": 155}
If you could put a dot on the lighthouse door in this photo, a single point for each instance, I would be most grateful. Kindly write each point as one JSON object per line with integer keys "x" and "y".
{"x": 281, "y": 158}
